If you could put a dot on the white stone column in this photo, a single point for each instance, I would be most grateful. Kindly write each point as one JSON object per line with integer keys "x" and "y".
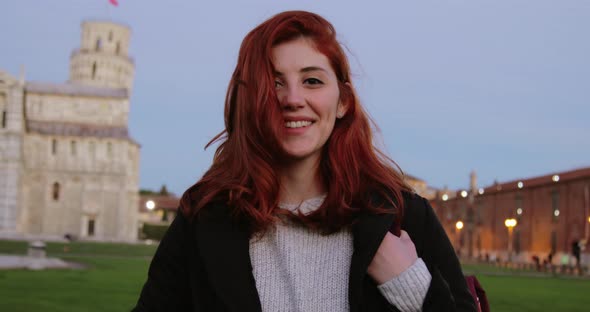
{"x": 11, "y": 145}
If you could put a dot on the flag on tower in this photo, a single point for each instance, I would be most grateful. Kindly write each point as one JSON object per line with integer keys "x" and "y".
{"x": 114, "y": 2}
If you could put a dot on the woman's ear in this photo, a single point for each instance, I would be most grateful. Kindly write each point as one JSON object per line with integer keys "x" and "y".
{"x": 344, "y": 101}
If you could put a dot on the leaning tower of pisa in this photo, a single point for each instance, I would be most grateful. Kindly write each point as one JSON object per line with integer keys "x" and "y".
{"x": 103, "y": 59}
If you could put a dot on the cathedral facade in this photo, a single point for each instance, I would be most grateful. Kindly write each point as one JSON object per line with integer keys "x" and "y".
{"x": 68, "y": 164}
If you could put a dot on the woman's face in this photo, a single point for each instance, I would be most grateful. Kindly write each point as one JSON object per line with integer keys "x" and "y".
{"x": 307, "y": 90}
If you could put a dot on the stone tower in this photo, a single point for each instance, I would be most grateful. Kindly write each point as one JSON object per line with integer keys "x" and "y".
{"x": 11, "y": 151}
{"x": 68, "y": 164}
{"x": 102, "y": 59}
{"x": 473, "y": 181}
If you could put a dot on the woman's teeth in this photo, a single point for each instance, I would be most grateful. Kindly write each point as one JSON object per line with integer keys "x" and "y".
{"x": 297, "y": 124}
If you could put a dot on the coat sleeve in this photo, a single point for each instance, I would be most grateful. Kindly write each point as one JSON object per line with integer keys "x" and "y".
{"x": 448, "y": 290}
{"x": 167, "y": 286}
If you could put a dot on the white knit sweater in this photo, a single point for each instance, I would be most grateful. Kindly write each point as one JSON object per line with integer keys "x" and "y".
{"x": 297, "y": 269}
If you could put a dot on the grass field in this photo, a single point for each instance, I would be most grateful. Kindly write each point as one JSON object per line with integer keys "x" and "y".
{"x": 111, "y": 282}
{"x": 520, "y": 293}
{"x": 116, "y": 273}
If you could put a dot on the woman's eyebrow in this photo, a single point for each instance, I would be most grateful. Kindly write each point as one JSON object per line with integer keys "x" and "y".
{"x": 312, "y": 68}
{"x": 303, "y": 70}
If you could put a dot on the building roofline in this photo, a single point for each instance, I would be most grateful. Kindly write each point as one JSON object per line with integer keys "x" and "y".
{"x": 106, "y": 21}
{"x": 532, "y": 182}
{"x": 58, "y": 128}
{"x": 166, "y": 202}
{"x": 541, "y": 180}
{"x": 75, "y": 89}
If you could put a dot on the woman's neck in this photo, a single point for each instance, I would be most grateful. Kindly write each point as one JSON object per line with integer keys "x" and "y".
{"x": 301, "y": 181}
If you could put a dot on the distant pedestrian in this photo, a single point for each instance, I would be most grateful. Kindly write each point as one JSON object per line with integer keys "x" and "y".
{"x": 576, "y": 251}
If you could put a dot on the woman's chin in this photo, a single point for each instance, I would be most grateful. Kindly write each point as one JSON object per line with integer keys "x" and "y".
{"x": 297, "y": 155}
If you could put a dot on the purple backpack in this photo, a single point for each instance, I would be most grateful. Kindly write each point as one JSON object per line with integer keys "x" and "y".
{"x": 479, "y": 295}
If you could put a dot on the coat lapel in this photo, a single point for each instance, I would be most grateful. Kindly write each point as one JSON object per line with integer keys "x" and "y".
{"x": 368, "y": 233}
{"x": 225, "y": 252}
{"x": 224, "y": 248}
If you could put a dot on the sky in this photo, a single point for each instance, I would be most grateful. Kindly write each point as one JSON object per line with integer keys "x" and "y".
{"x": 499, "y": 87}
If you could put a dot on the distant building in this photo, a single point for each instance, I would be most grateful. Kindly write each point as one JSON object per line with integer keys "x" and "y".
{"x": 67, "y": 161}
{"x": 421, "y": 187}
{"x": 161, "y": 207}
{"x": 552, "y": 213}
{"x": 157, "y": 208}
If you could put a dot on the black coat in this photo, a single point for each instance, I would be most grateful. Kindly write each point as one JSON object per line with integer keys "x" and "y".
{"x": 205, "y": 265}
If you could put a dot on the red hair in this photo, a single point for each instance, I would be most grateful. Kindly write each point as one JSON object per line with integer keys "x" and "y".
{"x": 244, "y": 173}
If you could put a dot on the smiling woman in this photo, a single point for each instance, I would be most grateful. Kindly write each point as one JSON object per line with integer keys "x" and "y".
{"x": 308, "y": 93}
{"x": 299, "y": 211}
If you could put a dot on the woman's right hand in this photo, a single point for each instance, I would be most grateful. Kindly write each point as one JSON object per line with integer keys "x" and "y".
{"x": 394, "y": 256}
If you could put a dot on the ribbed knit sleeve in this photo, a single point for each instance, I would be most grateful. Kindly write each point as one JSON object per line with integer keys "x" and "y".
{"x": 408, "y": 290}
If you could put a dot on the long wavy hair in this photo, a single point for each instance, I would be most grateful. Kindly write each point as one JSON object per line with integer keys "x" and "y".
{"x": 245, "y": 171}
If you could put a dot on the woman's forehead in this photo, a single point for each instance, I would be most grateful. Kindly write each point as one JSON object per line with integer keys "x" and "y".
{"x": 299, "y": 55}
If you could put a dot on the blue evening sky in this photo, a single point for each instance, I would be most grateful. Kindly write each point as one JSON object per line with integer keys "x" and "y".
{"x": 500, "y": 87}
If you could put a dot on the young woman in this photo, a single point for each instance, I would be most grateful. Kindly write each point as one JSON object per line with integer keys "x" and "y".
{"x": 299, "y": 211}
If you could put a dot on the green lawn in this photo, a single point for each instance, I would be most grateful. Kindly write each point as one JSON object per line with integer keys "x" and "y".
{"x": 109, "y": 285}
{"x": 116, "y": 273}
{"x": 111, "y": 282}
{"x": 520, "y": 293}
{"x": 82, "y": 248}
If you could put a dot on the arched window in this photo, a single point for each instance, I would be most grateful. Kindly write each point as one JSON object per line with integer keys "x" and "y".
{"x": 118, "y": 48}
{"x": 553, "y": 242}
{"x": 53, "y": 146}
{"x": 3, "y": 107}
{"x": 55, "y": 191}
{"x": 91, "y": 148}
{"x": 109, "y": 149}
{"x": 516, "y": 242}
{"x": 73, "y": 148}
{"x": 90, "y": 227}
{"x": 98, "y": 44}
{"x": 93, "y": 70}
{"x": 110, "y": 36}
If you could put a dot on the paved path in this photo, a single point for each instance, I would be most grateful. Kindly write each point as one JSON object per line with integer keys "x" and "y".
{"x": 25, "y": 262}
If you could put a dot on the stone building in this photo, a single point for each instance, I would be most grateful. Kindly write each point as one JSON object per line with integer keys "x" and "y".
{"x": 421, "y": 187}
{"x": 157, "y": 208}
{"x": 552, "y": 212}
{"x": 67, "y": 162}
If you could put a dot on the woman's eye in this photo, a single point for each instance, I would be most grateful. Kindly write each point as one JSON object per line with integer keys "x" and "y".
{"x": 313, "y": 81}
{"x": 278, "y": 84}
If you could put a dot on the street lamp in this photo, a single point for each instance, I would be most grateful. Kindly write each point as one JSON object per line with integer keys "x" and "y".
{"x": 510, "y": 224}
{"x": 150, "y": 205}
{"x": 459, "y": 226}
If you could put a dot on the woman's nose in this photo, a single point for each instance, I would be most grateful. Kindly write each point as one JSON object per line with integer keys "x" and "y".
{"x": 292, "y": 97}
